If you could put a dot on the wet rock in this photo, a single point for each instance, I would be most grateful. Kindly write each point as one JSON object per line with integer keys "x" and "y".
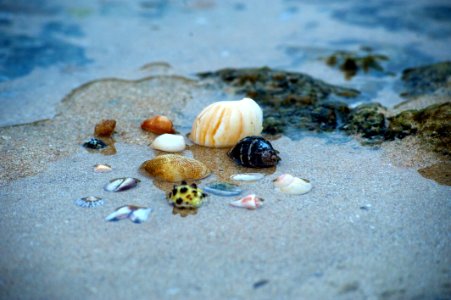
{"x": 402, "y": 125}
{"x": 426, "y": 79}
{"x": 367, "y": 120}
{"x": 431, "y": 124}
{"x": 352, "y": 62}
{"x": 288, "y": 99}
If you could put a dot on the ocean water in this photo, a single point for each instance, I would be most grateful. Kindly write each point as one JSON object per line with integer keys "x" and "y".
{"x": 50, "y": 47}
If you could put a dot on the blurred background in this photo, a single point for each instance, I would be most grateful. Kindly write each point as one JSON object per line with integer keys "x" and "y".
{"x": 50, "y": 47}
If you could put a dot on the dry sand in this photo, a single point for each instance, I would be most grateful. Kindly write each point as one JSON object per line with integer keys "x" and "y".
{"x": 369, "y": 229}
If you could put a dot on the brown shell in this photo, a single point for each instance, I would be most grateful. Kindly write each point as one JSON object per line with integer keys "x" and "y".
{"x": 175, "y": 168}
{"x": 105, "y": 128}
{"x": 158, "y": 124}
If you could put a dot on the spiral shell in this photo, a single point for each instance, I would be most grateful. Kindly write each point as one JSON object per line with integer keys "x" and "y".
{"x": 254, "y": 152}
{"x": 175, "y": 168}
{"x": 224, "y": 123}
{"x": 289, "y": 184}
{"x": 250, "y": 202}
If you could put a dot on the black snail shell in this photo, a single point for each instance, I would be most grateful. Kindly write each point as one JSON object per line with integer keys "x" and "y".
{"x": 254, "y": 152}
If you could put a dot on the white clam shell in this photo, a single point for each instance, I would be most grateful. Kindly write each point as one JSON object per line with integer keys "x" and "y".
{"x": 169, "y": 143}
{"x": 290, "y": 184}
{"x": 224, "y": 123}
{"x": 250, "y": 202}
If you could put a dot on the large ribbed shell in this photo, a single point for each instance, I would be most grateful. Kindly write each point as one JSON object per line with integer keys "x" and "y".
{"x": 175, "y": 168}
{"x": 224, "y": 123}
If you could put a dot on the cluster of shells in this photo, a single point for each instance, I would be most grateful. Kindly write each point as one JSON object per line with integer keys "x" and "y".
{"x": 232, "y": 124}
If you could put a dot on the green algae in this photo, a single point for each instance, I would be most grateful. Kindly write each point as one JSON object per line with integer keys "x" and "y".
{"x": 289, "y": 99}
{"x": 439, "y": 172}
{"x": 432, "y": 124}
{"x": 294, "y": 102}
{"x": 367, "y": 120}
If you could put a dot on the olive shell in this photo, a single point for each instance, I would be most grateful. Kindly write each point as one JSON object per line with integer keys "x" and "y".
{"x": 175, "y": 168}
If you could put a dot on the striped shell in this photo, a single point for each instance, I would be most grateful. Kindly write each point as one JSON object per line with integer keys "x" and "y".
{"x": 175, "y": 168}
{"x": 224, "y": 123}
{"x": 254, "y": 152}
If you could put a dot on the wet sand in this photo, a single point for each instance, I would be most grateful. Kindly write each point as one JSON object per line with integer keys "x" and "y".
{"x": 370, "y": 228}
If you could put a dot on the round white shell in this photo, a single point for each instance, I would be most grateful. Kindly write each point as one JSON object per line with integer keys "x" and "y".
{"x": 224, "y": 123}
{"x": 289, "y": 184}
{"x": 169, "y": 143}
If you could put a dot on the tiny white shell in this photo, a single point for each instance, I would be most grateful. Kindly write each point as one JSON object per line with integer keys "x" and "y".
{"x": 247, "y": 176}
{"x": 224, "y": 123}
{"x": 289, "y": 184}
{"x": 102, "y": 168}
{"x": 169, "y": 143}
{"x": 250, "y": 202}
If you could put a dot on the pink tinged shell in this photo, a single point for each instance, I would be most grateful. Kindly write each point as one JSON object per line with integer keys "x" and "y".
{"x": 289, "y": 184}
{"x": 250, "y": 202}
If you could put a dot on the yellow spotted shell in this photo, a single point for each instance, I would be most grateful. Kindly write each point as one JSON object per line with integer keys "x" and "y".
{"x": 175, "y": 168}
{"x": 224, "y": 123}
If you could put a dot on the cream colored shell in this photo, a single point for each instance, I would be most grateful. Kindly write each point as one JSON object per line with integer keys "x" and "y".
{"x": 289, "y": 184}
{"x": 224, "y": 123}
{"x": 169, "y": 143}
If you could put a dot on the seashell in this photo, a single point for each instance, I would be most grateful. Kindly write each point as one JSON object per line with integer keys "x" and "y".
{"x": 169, "y": 143}
{"x": 247, "y": 176}
{"x": 134, "y": 213}
{"x": 158, "y": 124}
{"x": 175, "y": 168}
{"x": 94, "y": 143}
{"x": 250, "y": 202}
{"x": 105, "y": 128}
{"x": 90, "y": 201}
{"x": 224, "y": 123}
{"x": 102, "y": 168}
{"x": 254, "y": 152}
{"x": 289, "y": 184}
{"x": 186, "y": 196}
{"x": 121, "y": 184}
{"x": 222, "y": 189}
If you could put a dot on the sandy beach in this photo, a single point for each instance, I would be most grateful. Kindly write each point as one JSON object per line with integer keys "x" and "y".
{"x": 372, "y": 227}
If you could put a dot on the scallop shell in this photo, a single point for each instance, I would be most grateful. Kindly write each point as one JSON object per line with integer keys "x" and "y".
{"x": 169, "y": 143}
{"x": 175, "y": 168}
{"x": 289, "y": 184}
{"x": 224, "y": 123}
{"x": 90, "y": 201}
{"x": 158, "y": 124}
{"x": 250, "y": 202}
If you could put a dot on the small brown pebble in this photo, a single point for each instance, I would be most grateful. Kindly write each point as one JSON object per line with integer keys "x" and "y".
{"x": 105, "y": 128}
{"x": 158, "y": 124}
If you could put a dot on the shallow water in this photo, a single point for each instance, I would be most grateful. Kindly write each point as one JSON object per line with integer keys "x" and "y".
{"x": 51, "y": 48}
